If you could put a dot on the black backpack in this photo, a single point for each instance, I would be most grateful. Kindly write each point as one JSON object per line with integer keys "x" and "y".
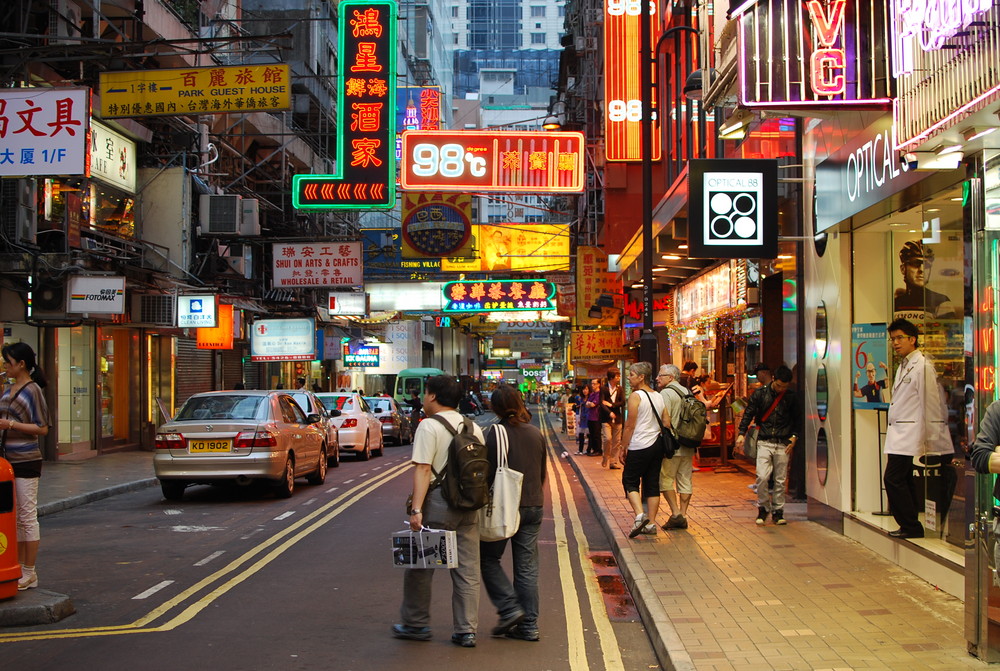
{"x": 465, "y": 480}
{"x": 693, "y": 419}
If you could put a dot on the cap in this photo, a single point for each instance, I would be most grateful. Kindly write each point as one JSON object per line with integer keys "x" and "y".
{"x": 913, "y": 250}
{"x": 870, "y": 366}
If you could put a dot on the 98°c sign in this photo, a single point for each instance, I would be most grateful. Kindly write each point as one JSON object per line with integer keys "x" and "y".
{"x": 493, "y": 161}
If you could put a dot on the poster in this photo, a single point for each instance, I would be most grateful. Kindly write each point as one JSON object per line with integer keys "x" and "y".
{"x": 870, "y": 366}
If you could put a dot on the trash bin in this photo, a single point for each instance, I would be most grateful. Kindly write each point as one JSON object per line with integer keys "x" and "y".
{"x": 10, "y": 569}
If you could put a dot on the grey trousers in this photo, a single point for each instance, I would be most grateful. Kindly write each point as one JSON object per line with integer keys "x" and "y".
{"x": 416, "y": 608}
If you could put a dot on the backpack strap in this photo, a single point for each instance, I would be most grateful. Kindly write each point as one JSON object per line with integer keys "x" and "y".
{"x": 438, "y": 477}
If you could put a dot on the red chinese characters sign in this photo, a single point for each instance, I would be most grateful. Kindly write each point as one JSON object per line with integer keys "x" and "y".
{"x": 493, "y": 161}
{"x": 366, "y": 114}
{"x": 44, "y": 131}
{"x": 499, "y": 296}
{"x": 317, "y": 264}
{"x": 622, "y": 92}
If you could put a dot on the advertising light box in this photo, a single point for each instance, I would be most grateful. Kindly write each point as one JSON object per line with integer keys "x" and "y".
{"x": 43, "y": 131}
{"x": 360, "y": 356}
{"x": 283, "y": 340}
{"x": 343, "y": 304}
{"x": 622, "y": 91}
{"x": 493, "y": 161}
{"x": 220, "y": 337}
{"x": 96, "y": 294}
{"x": 499, "y": 296}
{"x": 196, "y": 311}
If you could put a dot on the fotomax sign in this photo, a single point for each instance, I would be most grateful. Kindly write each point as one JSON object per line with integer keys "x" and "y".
{"x": 733, "y": 208}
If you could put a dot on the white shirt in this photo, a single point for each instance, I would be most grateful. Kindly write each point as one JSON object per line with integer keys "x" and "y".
{"x": 431, "y": 440}
{"x": 918, "y": 414}
{"x": 647, "y": 429}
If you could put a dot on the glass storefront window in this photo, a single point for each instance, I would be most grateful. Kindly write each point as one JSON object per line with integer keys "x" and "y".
{"x": 117, "y": 379}
{"x": 75, "y": 373}
{"x": 112, "y": 211}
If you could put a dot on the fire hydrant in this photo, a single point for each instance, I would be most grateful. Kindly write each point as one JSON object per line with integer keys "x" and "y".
{"x": 10, "y": 569}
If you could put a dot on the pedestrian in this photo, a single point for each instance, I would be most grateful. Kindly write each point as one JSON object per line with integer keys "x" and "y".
{"x": 612, "y": 420}
{"x": 579, "y": 399}
{"x": 561, "y": 407}
{"x": 917, "y": 425}
{"x": 675, "y": 474}
{"x": 239, "y": 386}
{"x": 688, "y": 371}
{"x": 429, "y": 509}
{"x": 517, "y": 602}
{"x": 593, "y": 414}
{"x": 641, "y": 477}
{"x": 776, "y": 413}
{"x": 24, "y": 417}
{"x": 301, "y": 384}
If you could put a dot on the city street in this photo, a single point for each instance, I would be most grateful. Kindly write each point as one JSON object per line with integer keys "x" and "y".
{"x": 238, "y": 579}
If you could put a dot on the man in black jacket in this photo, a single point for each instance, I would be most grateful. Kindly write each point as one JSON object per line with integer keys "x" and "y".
{"x": 612, "y": 420}
{"x": 776, "y": 412}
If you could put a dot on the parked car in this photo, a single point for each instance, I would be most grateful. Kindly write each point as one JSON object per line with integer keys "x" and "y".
{"x": 360, "y": 432}
{"x": 242, "y": 437}
{"x": 310, "y": 404}
{"x": 395, "y": 425}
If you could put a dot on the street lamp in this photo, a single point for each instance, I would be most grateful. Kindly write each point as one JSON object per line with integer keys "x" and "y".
{"x": 647, "y": 341}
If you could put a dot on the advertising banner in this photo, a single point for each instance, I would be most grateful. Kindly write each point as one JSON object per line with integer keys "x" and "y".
{"x": 870, "y": 365}
{"x": 343, "y": 304}
{"x": 534, "y": 248}
{"x": 599, "y": 345}
{"x": 418, "y": 108}
{"x": 196, "y": 311}
{"x": 112, "y": 157}
{"x": 622, "y": 93}
{"x": 43, "y": 131}
{"x": 499, "y": 296}
{"x": 360, "y": 355}
{"x": 436, "y": 225}
{"x": 96, "y": 294}
{"x": 283, "y": 340}
{"x": 317, "y": 264}
{"x": 220, "y": 337}
{"x": 599, "y": 296}
{"x": 212, "y": 90}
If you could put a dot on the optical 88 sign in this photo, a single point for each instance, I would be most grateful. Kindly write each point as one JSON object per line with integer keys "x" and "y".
{"x": 733, "y": 208}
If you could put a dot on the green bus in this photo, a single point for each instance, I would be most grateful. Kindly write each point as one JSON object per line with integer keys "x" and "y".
{"x": 411, "y": 380}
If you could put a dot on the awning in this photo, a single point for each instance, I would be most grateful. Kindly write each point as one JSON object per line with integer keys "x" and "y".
{"x": 247, "y": 304}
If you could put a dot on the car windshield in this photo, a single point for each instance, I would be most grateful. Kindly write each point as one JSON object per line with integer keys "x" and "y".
{"x": 220, "y": 407}
{"x": 380, "y": 404}
{"x": 342, "y": 403}
{"x": 302, "y": 400}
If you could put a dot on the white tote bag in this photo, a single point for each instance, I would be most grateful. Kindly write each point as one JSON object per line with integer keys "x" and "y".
{"x": 501, "y": 517}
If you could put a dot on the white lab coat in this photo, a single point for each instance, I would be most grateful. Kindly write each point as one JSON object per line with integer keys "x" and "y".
{"x": 918, "y": 414}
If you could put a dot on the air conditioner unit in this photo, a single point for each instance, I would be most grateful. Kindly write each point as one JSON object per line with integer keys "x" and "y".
{"x": 220, "y": 215}
{"x": 239, "y": 257}
{"x": 19, "y": 210}
{"x": 65, "y": 22}
{"x": 48, "y": 302}
{"x": 250, "y": 219}
{"x": 153, "y": 309}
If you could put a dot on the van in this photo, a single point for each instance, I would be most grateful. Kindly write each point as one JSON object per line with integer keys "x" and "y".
{"x": 411, "y": 380}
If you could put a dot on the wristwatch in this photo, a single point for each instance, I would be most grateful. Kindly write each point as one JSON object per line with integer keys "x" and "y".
{"x": 416, "y": 511}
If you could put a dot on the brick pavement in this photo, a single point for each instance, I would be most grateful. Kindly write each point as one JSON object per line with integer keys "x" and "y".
{"x": 727, "y": 595}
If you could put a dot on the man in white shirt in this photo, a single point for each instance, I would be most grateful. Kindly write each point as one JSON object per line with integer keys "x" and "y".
{"x": 675, "y": 474}
{"x": 918, "y": 425}
{"x": 429, "y": 509}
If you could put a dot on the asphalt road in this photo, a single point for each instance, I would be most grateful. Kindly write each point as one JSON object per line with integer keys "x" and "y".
{"x": 237, "y": 579}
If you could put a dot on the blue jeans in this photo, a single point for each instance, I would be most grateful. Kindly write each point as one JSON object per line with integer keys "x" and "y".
{"x": 523, "y": 593}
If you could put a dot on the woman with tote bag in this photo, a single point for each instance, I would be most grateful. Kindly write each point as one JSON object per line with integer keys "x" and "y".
{"x": 517, "y": 602}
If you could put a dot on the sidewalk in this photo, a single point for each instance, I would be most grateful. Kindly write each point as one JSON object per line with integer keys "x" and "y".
{"x": 725, "y": 594}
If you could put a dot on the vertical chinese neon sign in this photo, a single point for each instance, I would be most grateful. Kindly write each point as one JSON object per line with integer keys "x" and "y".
{"x": 366, "y": 114}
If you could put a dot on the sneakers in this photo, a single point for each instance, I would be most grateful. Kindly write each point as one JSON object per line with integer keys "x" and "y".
{"x": 649, "y": 529}
{"x": 29, "y": 580}
{"x": 779, "y": 517}
{"x": 761, "y": 516}
{"x": 640, "y": 522}
{"x": 676, "y": 522}
{"x": 507, "y": 623}
{"x": 465, "y": 640}
{"x": 412, "y": 633}
{"x": 523, "y": 633}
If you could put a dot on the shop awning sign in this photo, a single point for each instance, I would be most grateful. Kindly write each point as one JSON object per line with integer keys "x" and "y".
{"x": 499, "y": 296}
{"x": 96, "y": 294}
{"x": 283, "y": 340}
{"x": 43, "y": 131}
{"x": 197, "y": 311}
{"x": 733, "y": 208}
{"x": 112, "y": 157}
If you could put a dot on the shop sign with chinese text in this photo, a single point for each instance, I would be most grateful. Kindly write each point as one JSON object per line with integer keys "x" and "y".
{"x": 220, "y": 337}
{"x": 43, "y": 131}
{"x": 213, "y": 90}
{"x": 317, "y": 264}
{"x": 196, "y": 311}
{"x": 499, "y": 296}
{"x": 283, "y": 340}
{"x": 418, "y": 108}
{"x": 360, "y": 356}
{"x": 493, "y": 161}
{"x": 366, "y": 114}
{"x": 96, "y": 294}
{"x": 112, "y": 157}
{"x": 598, "y": 293}
{"x": 709, "y": 293}
{"x": 599, "y": 345}
{"x": 623, "y": 112}
{"x": 535, "y": 248}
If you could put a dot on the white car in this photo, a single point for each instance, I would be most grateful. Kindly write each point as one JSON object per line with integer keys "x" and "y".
{"x": 360, "y": 431}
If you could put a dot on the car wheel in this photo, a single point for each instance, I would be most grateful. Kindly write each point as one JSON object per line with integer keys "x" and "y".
{"x": 173, "y": 490}
{"x": 365, "y": 454}
{"x": 335, "y": 459}
{"x": 318, "y": 476}
{"x": 286, "y": 486}
{"x": 381, "y": 445}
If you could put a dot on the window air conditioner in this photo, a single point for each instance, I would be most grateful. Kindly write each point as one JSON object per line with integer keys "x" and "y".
{"x": 239, "y": 257}
{"x": 153, "y": 309}
{"x": 220, "y": 215}
{"x": 250, "y": 218}
{"x": 65, "y": 22}
{"x": 18, "y": 210}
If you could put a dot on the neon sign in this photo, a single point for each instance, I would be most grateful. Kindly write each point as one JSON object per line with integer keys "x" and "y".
{"x": 366, "y": 114}
{"x": 622, "y": 93}
{"x": 828, "y": 63}
{"x": 493, "y": 161}
{"x": 499, "y": 296}
{"x": 934, "y": 22}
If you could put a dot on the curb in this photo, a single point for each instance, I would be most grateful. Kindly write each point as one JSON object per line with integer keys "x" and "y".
{"x": 33, "y": 607}
{"x": 82, "y": 499}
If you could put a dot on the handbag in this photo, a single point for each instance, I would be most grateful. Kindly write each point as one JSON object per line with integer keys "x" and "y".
{"x": 750, "y": 442}
{"x": 501, "y": 516}
{"x": 668, "y": 441}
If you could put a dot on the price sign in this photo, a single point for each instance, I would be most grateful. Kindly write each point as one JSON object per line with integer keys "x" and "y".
{"x": 493, "y": 161}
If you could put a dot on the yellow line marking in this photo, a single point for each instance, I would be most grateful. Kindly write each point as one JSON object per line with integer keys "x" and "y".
{"x": 140, "y": 625}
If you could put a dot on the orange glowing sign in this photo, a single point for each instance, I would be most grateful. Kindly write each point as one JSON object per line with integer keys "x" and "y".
{"x": 220, "y": 337}
{"x": 622, "y": 93}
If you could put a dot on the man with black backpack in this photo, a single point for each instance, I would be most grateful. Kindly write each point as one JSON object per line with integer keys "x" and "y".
{"x": 676, "y": 472}
{"x": 446, "y": 495}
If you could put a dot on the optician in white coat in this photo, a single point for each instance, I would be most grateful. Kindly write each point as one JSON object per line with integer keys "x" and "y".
{"x": 918, "y": 425}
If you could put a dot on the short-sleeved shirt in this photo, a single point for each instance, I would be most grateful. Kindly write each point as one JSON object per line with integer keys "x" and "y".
{"x": 23, "y": 449}
{"x": 431, "y": 440}
{"x": 647, "y": 429}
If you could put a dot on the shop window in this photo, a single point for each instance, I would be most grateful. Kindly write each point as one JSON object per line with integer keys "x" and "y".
{"x": 75, "y": 389}
{"x": 112, "y": 212}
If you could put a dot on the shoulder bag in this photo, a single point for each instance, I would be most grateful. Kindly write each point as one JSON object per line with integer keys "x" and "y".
{"x": 750, "y": 442}
{"x": 668, "y": 441}
{"x": 501, "y": 516}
